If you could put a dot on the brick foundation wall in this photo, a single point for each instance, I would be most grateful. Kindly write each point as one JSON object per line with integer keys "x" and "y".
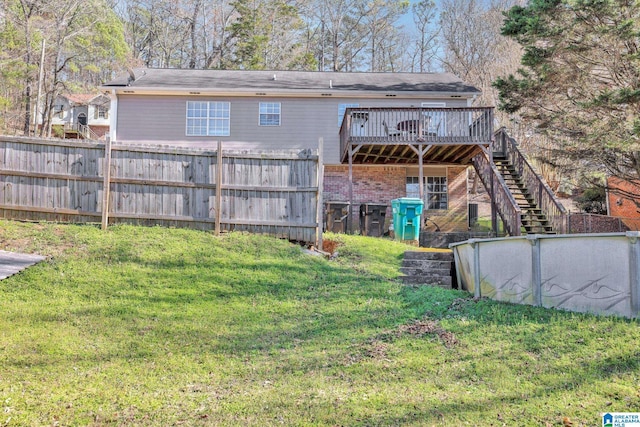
{"x": 371, "y": 184}
{"x": 454, "y": 219}
{"x": 381, "y": 184}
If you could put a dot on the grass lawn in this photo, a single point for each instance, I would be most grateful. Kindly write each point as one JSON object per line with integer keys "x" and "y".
{"x": 160, "y": 327}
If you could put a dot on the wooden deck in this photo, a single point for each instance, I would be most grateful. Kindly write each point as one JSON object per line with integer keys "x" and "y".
{"x": 13, "y": 262}
{"x": 403, "y": 135}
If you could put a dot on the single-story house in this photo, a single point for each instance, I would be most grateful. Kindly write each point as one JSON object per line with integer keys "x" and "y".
{"x": 385, "y": 135}
{"x": 81, "y": 115}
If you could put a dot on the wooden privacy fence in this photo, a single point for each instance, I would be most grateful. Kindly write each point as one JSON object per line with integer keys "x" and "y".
{"x": 270, "y": 192}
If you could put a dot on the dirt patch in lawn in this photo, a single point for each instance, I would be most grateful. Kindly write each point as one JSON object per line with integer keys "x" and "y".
{"x": 421, "y": 328}
{"x": 330, "y": 246}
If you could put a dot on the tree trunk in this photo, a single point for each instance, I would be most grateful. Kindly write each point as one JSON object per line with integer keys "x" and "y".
{"x": 27, "y": 108}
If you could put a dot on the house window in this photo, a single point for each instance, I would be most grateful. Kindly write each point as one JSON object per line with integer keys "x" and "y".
{"x": 208, "y": 118}
{"x": 58, "y": 111}
{"x": 341, "y": 110}
{"x": 101, "y": 112}
{"x": 269, "y": 114}
{"x": 436, "y": 194}
{"x": 413, "y": 187}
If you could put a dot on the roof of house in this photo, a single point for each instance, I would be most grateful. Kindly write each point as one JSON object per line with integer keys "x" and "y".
{"x": 150, "y": 79}
{"x": 82, "y": 98}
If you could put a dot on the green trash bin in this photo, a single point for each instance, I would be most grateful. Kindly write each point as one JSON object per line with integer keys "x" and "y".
{"x": 407, "y": 212}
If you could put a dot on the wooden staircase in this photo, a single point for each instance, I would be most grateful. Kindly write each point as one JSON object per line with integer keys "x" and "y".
{"x": 533, "y": 220}
{"x": 428, "y": 268}
{"x": 524, "y": 202}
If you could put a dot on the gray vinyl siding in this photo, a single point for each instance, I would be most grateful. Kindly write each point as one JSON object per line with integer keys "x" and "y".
{"x": 162, "y": 119}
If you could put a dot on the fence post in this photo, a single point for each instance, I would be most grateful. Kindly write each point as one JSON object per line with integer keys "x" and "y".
{"x": 476, "y": 268}
{"x": 536, "y": 273}
{"x": 320, "y": 181}
{"x": 456, "y": 263}
{"x": 634, "y": 272}
{"x": 219, "y": 188}
{"x": 107, "y": 183}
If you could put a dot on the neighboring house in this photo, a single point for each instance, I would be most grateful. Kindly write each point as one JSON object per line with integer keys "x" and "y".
{"x": 82, "y": 116}
{"x": 620, "y": 202}
{"x": 383, "y": 133}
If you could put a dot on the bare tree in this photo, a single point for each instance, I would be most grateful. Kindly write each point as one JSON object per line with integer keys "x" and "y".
{"x": 472, "y": 46}
{"x": 338, "y": 31}
{"x": 378, "y": 21}
{"x": 22, "y": 15}
{"x": 426, "y": 43}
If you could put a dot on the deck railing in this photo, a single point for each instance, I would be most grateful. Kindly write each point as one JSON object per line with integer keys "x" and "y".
{"x": 542, "y": 193}
{"x": 396, "y": 125}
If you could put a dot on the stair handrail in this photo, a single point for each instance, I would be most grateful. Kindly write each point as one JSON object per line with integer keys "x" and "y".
{"x": 544, "y": 197}
{"x": 506, "y": 205}
{"x": 87, "y": 132}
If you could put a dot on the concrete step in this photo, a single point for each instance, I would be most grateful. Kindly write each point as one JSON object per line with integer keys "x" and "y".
{"x": 424, "y": 255}
{"x": 427, "y": 268}
{"x": 420, "y": 271}
{"x": 426, "y": 264}
{"x": 442, "y": 281}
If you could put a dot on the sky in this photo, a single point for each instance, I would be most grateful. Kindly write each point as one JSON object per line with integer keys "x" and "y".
{"x": 407, "y": 19}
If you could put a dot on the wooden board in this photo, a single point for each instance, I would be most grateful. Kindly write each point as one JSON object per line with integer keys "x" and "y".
{"x": 274, "y": 192}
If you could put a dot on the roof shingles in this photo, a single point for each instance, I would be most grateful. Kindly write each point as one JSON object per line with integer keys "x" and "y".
{"x": 290, "y": 81}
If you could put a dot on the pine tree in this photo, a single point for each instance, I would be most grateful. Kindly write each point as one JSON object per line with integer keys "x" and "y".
{"x": 580, "y": 81}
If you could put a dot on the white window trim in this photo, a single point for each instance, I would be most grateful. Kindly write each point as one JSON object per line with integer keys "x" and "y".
{"x": 103, "y": 112}
{"x": 260, "y": 113}
{"x": 207, "y": 118}
{"x": 426, "y": 190}
{"x": 446, "y": 193}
